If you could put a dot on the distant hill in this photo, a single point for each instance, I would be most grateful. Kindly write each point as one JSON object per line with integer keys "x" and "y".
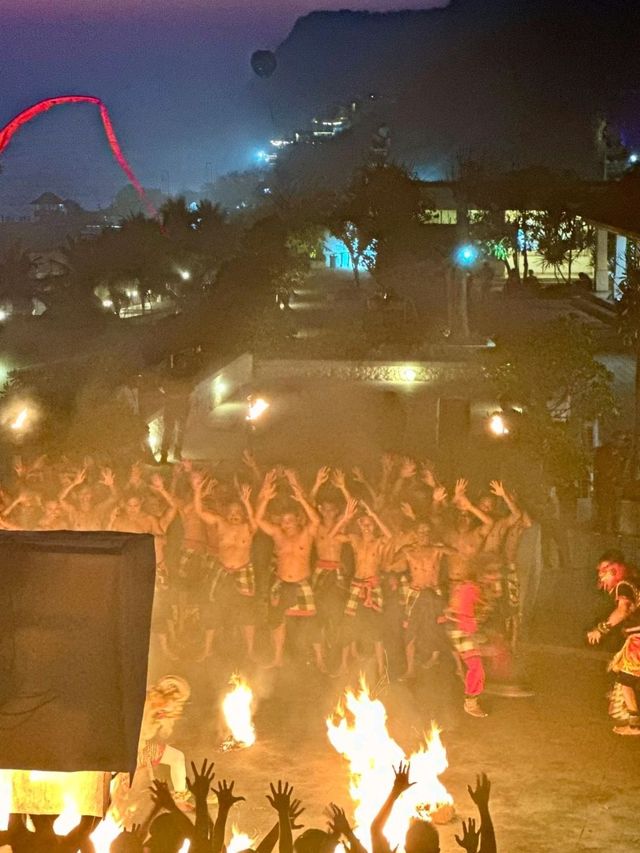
{"x": 520, "y": 82}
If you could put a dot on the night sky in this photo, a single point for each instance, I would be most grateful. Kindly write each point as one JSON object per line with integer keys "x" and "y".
{"x": 170, "y": 71}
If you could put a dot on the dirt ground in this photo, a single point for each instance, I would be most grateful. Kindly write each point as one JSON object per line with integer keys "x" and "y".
{"x": 562, "y": 781}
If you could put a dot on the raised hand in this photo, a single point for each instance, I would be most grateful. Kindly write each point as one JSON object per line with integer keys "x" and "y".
{"x": 401, "y": 782}
{"x": 280, "y": 797}
{"x": 107, "y": 478}
{"x": 225, "y": 795}
{"x": 269, "y": 490}
{"x": 338, "y": 823}
{"x": 470, "y": 836}
{"x": 245, "y": 493}
{"x": 439, "y": 494}
{"x": 161, "y": 797}
{"x": 407, "y": 468}
{"x": 338, "y": 479}
{"x": 407, "y": 510}
{"x": 322, "y": 476}
{"x": 427, "y": 475}
{"x": 460, "y": 489}
{"x": 80, "y": 477}
{"x": 480, "y": 795}
{"x": 388, "y": 462}
{"x": 351, "y": 507}
{"x": 294, "y": 813}
{"x": 201, "y": 783}
{"x": 497, "y": 488}
{"x": 365, "y": 506}
{"x": 249, "y": 459}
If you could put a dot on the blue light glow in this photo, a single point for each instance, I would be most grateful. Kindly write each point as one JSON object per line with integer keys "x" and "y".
{"x": 466, "y": 255}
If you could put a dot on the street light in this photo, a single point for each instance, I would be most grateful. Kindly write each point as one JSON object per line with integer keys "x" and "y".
{"x": 185, "y": 275}
{"x": 257, "y": 408}
{"x": 497, "y": 425}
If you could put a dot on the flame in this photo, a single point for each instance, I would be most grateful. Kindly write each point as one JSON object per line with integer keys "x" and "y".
{"x": 104, "y": 834}
{"x": 358, "y": 731}
{"x": 20, "y": 419}
{"x": 5, "y": 799}
{"x": 240, "y": 841}
{"x": 237, "y": 706}
{"x": 69, "y": 817}
{"x": 186, "y": 846}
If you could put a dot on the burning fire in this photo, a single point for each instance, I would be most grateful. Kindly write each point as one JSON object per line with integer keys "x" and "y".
{"x": 106, "y": 832}
{"x": 358, "y": 731}
{"x": 240, "y": 841}
{"x": 237, "y": 708}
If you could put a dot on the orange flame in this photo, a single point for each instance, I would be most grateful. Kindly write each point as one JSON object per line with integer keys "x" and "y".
{"x": 237, "y": 707}
{"x": 358, "y": 731}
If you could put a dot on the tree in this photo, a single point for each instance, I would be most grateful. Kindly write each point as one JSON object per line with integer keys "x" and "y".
{"x": 16, "y": 284}
{"x": 376, "y": 215}
{"x": 558, "y": 384}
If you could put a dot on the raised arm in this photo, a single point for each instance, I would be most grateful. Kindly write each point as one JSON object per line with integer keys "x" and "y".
{"x": 358, "y": 475}
{"x": 463, "y": 503}
{"x": 107, "y": 478}
{"x": 480, "y": 796}
{"x": 339, "y": 481}
{"x": 321, "y": 478}
{"x": 197, "y": 484}
{"x": 77, "y": 481}
{"x": 349, "y": 512}
{"x": 379, "y": 843}
{"x": 226, "y": 801}
{"x": 299, "y": 496}
{"x": 156, "y": 484}
{"x": 280, "y": 800}
{"x": 267, "y": 494}
{"x": 244, "y": 492}
{"x": 497, "y": 488}
{"x": 339, "y": 827}
{"x": 382, "y": 527}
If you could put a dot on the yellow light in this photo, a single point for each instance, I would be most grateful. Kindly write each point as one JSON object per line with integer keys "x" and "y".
{"x": 237, "y": 708}
{"x": 240, "y": 841}
{"x": 408, "y": 374}
{"x": 497, "y": 425}
{"x": 20, "y": 421}
{"x": 3, "y": 315}
{"x": 257, "y": 408}
{"x": 107, "y": 303}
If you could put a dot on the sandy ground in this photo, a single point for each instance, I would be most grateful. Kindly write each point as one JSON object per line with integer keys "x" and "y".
{"x": 561, "y": 779}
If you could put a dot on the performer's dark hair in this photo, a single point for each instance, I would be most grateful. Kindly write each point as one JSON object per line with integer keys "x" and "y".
{"x": 612, "y": 555}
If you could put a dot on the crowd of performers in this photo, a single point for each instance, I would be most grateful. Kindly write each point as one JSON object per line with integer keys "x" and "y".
{"x": 342, "y": 567}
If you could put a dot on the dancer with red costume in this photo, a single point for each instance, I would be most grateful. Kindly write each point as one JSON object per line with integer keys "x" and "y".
{"x": 616, "y": 578}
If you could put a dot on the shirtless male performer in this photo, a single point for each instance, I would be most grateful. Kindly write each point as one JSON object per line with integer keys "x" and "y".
{"x": 423, "y": 602}
{"x": 232, "y": 591}
{"x": 291, "y": 593}
{"x": 363, "y": 610}
{"x": 328, "y": 580}
{"x": 88, "y": 514}
{"x": 466, "y": 538}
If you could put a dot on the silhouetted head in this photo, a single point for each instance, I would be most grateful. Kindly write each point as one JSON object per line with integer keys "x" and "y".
{"x": 166, "y": 834}
{"x": 422, "y": 837}
{"x": 312, "y": 841}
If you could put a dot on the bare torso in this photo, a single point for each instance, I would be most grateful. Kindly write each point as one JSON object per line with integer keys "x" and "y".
{"x": 234, "y": 544}
{"x": 424, "y": 566}
{"x": 368, "y": 556}
{"x": 293, "y": 554}
{"x": 327, "y": 547}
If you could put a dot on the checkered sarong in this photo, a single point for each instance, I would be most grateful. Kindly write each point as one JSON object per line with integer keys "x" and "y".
{"x": 305, "y": 603}
{"x": 364, "y": 593}
{"x": 463, "y": 643}
{"x": 326, "y": 569}
{"x": 243, "y": 578}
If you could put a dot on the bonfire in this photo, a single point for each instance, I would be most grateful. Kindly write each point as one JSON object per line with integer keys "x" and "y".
{"x": 358, "y": 731}
{"x": 237, "y": 707}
